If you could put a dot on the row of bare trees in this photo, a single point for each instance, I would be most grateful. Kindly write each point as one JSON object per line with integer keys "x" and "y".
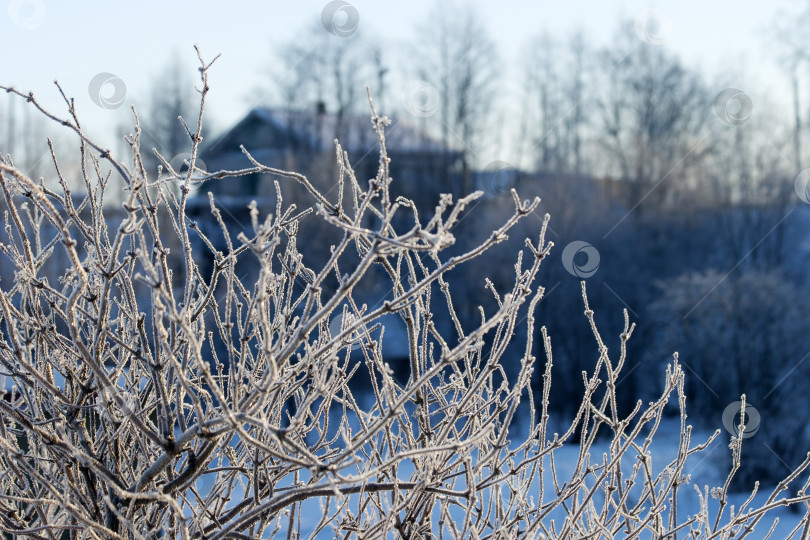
{"x": 630, "y": 110}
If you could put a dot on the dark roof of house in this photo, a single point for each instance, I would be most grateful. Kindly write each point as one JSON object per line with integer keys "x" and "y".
{"x": 318, "y": 130}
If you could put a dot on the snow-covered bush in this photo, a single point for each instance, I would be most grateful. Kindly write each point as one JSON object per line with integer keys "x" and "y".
{"x": 124, "y": 419}
{"x": 745, "y": 333}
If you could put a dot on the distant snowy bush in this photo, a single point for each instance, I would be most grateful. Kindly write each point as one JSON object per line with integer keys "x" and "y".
{"x": 151, "y": 399}
{"x": 746, "y": 333}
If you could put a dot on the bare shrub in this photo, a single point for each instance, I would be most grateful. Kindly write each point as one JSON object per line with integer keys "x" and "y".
{"x": 125, "y": 422}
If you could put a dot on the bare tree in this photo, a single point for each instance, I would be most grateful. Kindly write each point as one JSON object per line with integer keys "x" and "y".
{"x": 22, "y": 135}
{"x": 172, "y": 97}
{"x": 455, "y": 54}
{"x": 793, "y": 55}
{"x": 555, "y": 102}
{"x": 653, "y": 113}
{"x": 753, "y": 191}
{"x": 328, "y": 71}
{"x": 122, "y": 420}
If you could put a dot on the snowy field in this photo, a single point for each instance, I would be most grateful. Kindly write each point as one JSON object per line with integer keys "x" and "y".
{"x": 708, "y": 468}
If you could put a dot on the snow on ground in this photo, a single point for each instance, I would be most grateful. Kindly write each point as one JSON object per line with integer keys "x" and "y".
{"x": 707, "y": 468}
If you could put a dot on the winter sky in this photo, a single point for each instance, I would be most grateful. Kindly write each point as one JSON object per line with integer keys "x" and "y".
{"x": 43, "y": 40}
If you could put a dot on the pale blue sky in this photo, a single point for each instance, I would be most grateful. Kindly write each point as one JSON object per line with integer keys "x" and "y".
{"x": 73, "y": 41}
